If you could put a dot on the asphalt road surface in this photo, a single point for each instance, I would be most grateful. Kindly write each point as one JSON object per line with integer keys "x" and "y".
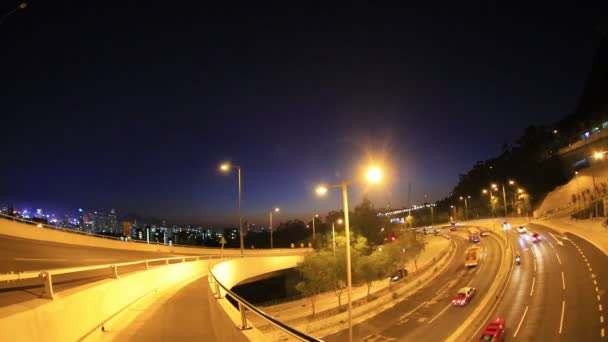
{"x": 18, "y": 255}
{"x": 553, "y": 294}
{"x": 428, "y": 315}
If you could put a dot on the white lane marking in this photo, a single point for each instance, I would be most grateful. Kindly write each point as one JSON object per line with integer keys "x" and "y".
{"x": 590, "y": 269}
{"x": 601, "y": 319}
{"x": 35, "y": 259}
{"x": 556, "y": 239}
{"x": 561, "y": 322}
{"x": 603, "y": 332}
{"x": 599, "y": 307}
{"x": 588, "y": 265}
{"x": 594, "y": 282}
{"x": 558, "y": 259}
{"x": 596, "y": 289}
{"x": 532, "y": 289}
{"x": 534, "y": 266}
{"x": 550, "y": 244}
{"x": 598, "y": 298}
{"x": 563, "y": 281}
{"x": 520, "y": 322}
{"x": 442, "y": 311}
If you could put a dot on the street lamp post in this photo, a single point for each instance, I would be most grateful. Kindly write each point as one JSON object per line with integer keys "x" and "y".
{"x": 225, "y": 167}
{"x": 333, "y": 234}
{"x": 374, "y": 175}
{"x": 466, "y": 207}
{"x": 454, "y": 207}
{"x": 270, "y": 215}
{"x": 313, "y": 227}
{"x": 597, "y": 156}
{"x": 578, "y": 190}
{"x": 21, "y": 6}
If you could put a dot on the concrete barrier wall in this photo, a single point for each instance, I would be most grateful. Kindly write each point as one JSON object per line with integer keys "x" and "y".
{"x": 27, "y": 231}
{"x": 230, "y": 273}
{"x": 80, "y": 311}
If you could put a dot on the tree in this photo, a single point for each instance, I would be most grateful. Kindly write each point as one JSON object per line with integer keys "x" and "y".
{"x": 412, "y": 246}
{"x": 372, "y": 267}
{"x": 365, "y": 221}
{"x": 317, "y": 274}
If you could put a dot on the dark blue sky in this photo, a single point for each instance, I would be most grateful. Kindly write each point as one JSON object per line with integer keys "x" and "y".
{"x": 132, "y": 106}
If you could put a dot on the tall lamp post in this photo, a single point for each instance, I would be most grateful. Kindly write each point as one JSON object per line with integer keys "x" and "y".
{"x": 373, "y": 175}
{"x": 466, "y": 207}
{"x": 454, "y": 207}
{"x": 21, "y": 6}
{"x": 596, "y": 156}
{"x": 333, "y": 234}
{"x": 226, "y": 167}
{"x": 504, "y": 194}
{"x": 485, "y": 191}
{"x": 276, "y": 210}
{"x": 313, "y": 227}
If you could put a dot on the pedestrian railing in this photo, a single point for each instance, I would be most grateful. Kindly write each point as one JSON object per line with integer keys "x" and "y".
{"x": 245, "y": 306}
{"x": 46, "y": 276}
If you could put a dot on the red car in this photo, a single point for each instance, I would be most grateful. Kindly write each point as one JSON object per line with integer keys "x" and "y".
{"x": 494, "y": 331}
{"x": 535, "y": 237}
{"x": 463, "y": 296}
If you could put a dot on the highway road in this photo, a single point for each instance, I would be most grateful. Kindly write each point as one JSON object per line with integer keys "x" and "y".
{"x": 428, "y": 315}
{"x": 17, "y": 255}
{"x": 556, "y": 293}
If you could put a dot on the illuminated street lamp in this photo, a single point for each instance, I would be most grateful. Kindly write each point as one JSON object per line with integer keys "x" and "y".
{"x": 373, "y": 175}
{"x": 485, "y": 191}
{"x": 21, "y": 6}
{"x": 596, "y": 156}
{"x": 226, "y": 167}
{"x": 466, "y": 207}
{"x": 313, "y": 227}
{"x": 276, "y": 210}
{"x": 454, "y": 207}
{"x": 333, "y": 233}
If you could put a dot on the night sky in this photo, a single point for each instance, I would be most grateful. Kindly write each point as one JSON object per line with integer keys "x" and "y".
{"x": 133, "y": 106}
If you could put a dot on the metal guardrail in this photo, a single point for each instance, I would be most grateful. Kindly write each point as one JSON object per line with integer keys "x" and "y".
{"x": 245, "y": 305}
{"x": 47, "y": 275}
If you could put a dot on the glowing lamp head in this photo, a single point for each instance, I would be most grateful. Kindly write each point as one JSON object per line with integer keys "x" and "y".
{"x": 374, "y": 174}
{"x": 484, "y": 191}
{"x": 511, "y": 182}
{"x": 225, "y": 167}
{"x": 277, "y": 210}
{"x": 598, "y": 155}
{"x": 519, "y": 191}
{"x": 340, "y": 221}
{"x": 461, "y": 198}
{"x": 321, "y": 190}
{"x": 494, "y": 186}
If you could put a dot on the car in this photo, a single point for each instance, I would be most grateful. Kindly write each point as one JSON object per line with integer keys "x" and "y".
{"x": 463, "y": 296}
{"x": 535, "y": 237}
{"x": 399, "y": 274}
{"x": 494, "y": 331}
{"x": 522, "y": 230}
{"x": 436, "y": 232}
{"x": 453, "y": 228}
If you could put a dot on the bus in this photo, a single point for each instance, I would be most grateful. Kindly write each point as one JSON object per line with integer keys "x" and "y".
{"x": 471, "y": 257}
{"x": 474, "y": 235}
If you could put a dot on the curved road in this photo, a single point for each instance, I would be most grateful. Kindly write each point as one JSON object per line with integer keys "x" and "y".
{"x": 557, "y": 293}
{"x": 428, "y": 314}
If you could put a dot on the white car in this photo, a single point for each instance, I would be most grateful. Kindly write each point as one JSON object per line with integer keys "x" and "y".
{"x": 522, "y": 230}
